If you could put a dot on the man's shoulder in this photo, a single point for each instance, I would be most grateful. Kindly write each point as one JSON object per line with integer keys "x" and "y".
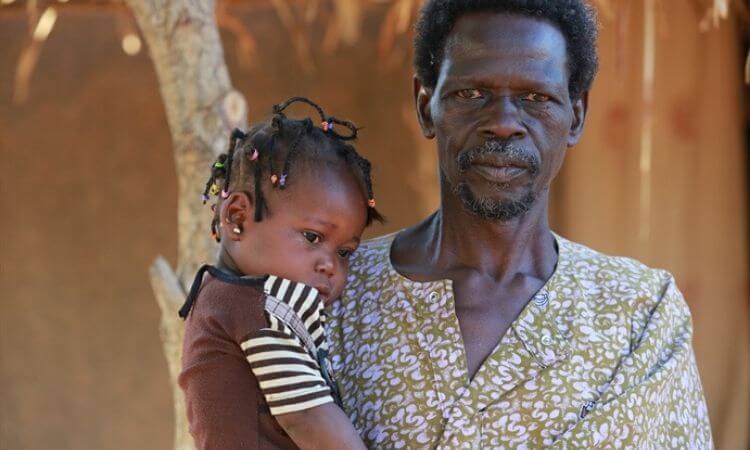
{"x": 606, "y": 280}
{"x": 371, "y": 258}
{"x": 591, "y": 265}
{"x": 369, "y": 272}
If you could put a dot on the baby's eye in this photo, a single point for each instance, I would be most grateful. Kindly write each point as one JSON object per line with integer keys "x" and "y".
{"x": 469, "y": 94}
{"x": 313, "y": 238}
{"x": 345, "y": 253}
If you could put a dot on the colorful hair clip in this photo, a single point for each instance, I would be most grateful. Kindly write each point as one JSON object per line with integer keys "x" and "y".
{"x": 219, "y": 165}
{"x": 224, "y": 194}
{"x": 282, "y": 180}
{"x": 327, "y": 125}
{"x": 214, "y": 189}
{"x": 205, "y": 198}
{"x": 254, "y": 155}
{"x": 371, "y": 203}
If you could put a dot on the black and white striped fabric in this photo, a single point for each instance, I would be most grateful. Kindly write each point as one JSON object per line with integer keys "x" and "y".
{"x": 283, "y": 357}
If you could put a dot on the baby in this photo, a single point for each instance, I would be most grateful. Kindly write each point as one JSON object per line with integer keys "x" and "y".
{"x": 293, "y": 201}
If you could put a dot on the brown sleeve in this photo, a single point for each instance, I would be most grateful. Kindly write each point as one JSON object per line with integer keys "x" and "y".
{"x": 221, "y": 392}
{"x": 221, "y": 407}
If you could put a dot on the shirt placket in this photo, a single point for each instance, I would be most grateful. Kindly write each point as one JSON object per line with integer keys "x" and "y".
{"x": 536, "y": 340}
{"x": 440, "y": 347}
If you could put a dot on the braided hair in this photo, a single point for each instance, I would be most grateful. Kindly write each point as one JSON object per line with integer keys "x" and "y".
{"x": 270, "y": 148}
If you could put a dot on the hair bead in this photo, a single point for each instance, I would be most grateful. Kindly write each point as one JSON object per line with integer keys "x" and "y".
{"x": 228, "y": 175}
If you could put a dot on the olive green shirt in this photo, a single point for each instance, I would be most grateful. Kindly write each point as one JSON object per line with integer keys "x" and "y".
{"x": 600, "y": 357}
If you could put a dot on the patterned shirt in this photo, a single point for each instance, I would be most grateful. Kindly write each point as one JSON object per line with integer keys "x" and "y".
{"x": 600, "y": 357}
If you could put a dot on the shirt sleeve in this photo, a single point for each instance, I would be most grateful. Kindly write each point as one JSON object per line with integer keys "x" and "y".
{"x": 288, "y": 376}
{"x": 655, "y": 399}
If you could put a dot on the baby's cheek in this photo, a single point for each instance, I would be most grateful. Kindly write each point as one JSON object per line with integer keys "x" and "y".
{"x": 339, "y": 284}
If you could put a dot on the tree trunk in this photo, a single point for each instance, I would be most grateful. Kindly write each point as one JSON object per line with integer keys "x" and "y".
{"x": 201, "y": 108}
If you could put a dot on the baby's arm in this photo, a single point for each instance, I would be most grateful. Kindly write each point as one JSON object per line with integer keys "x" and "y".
{"x": 321, "y": 428}
{"x": 296, "y": 392}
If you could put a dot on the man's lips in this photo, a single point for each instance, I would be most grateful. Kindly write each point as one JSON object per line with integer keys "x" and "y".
{"x": 498, "y": 172}
{"x": 498, "y": 161}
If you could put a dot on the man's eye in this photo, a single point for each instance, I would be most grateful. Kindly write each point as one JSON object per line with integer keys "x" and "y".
{"x": 469, "y": 94}
{"x": 345, "y": 253}
{"x": 536, "y": 97}
{"x": 313, "y": 238}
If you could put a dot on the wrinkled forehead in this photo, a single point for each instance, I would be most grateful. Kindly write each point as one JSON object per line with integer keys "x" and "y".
{"x": 498, "y": 44}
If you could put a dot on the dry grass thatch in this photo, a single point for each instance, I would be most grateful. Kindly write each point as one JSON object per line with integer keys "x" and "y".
{"x": 342, "y": 20}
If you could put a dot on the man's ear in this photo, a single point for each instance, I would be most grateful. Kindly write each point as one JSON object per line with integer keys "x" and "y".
{"x": 422, "y": 97}
{"x": 236, "y": 211}
{"x": 580, "y": 107}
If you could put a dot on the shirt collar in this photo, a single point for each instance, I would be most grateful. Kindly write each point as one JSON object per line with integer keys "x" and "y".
{"x": 304, "y": 300}
{"x": 543, "y": 326}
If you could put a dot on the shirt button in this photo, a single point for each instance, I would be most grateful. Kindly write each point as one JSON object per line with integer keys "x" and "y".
{"x": 433, "y": 296}
{"x": 541, "y": 299}
{"x": 546, "y": 340}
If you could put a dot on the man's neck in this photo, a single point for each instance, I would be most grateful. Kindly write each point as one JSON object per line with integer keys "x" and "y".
{"x": 455, "y": 243}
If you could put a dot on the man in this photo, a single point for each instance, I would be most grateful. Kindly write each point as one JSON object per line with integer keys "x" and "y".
{"x": 479, "y": 327}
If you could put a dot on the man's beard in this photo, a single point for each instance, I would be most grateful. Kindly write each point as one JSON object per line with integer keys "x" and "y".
{"x": 487, "y": 208}
{"x": 503, "y": 210}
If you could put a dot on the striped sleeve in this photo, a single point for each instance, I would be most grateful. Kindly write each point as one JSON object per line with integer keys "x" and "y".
{"x": 288, "y": 376}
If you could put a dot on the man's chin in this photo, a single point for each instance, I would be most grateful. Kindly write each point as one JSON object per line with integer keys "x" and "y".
{"x": 487, "y": 208}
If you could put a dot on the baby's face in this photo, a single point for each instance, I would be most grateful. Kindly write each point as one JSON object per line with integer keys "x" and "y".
{"x": 308, "y": 232}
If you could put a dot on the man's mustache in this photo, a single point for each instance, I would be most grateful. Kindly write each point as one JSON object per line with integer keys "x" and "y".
{"x": 503, "y": 153}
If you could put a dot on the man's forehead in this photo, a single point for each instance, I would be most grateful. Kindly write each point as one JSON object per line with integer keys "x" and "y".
{"x": 491, "y": 35}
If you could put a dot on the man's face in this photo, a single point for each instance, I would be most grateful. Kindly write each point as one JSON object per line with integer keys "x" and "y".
{"x": 501, "y": 112}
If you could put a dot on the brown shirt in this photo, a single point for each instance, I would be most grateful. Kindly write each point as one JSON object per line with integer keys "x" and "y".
{"x": 225, "y": 406}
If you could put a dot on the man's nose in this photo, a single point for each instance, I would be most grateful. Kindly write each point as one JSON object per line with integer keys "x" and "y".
{"x": 503, "y": 120}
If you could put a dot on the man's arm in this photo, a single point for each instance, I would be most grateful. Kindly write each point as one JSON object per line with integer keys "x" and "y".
{"x": 655, "y": 399}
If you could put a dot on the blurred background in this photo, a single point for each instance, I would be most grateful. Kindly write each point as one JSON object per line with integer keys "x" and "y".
{"x": 89, "y": 189}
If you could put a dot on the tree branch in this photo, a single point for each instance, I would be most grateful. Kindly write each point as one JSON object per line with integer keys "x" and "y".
{"x": 201, "y": 108}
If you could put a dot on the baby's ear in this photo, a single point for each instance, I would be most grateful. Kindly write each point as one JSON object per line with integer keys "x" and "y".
{"x": 237, "y": 212}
